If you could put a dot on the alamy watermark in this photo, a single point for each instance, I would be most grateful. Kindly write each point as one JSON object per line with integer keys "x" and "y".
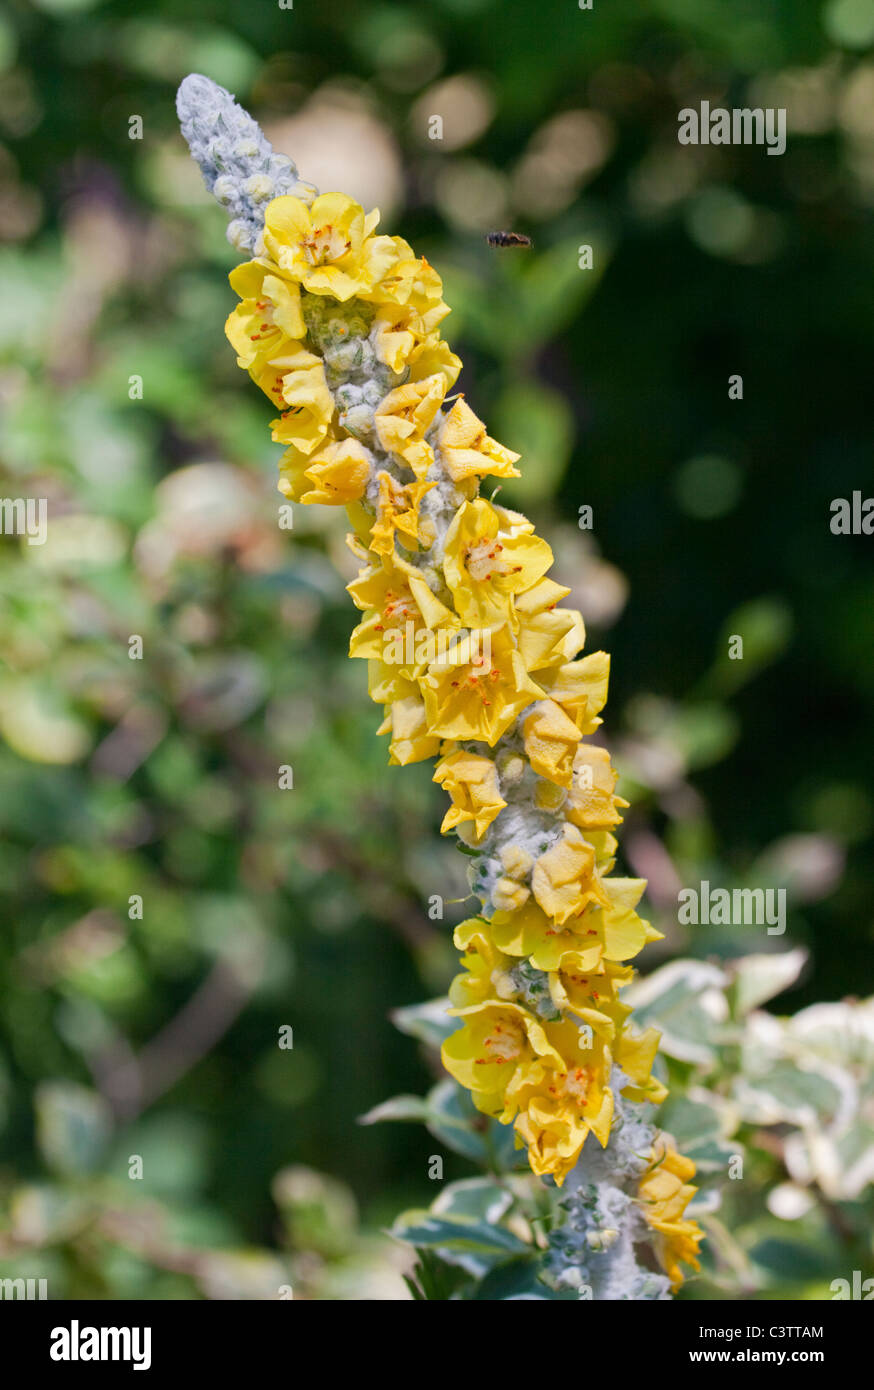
{"x": 453, "y": 645}
{"x": 75, "y": 1343}
{"x": 25, "y": 516}
{"x": 859, "y": 1289}
{"x": 34, "y": 1289}
{"x": 740, "y": 126}
{"x": 737, "y": 907}
{"x": 852, "y": 518}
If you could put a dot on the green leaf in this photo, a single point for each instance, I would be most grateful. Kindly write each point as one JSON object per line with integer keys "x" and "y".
{"x": 755, "y": 979}
{"x": 792, "y": 1258}
{"x": 435, "y": 1279}
{"x": 518, "y": 1279}
{"x": 765, "y": 624}
{"x": 686, "y": 1001}
{"x": 398, "y": 1108}
{"x": 789, "y": 1094}
{"x": 428, "y": 1022}
{"x": 537, "y": 423}
{"x": 423, "y": 1228}
{"x": 554, "y": 287}
{"x": 455, "y": 1121}
{"x": 705, "y": 732}
{"x": 73, "y": 1126}
{"x": 473, "y": 1199}
{"x": 449, "y": 1114}
{"x": 690, "y": 1121}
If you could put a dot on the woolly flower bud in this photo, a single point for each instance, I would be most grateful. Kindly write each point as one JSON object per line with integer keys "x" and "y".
{"x": 224, "y": 190}
{"x": 237, "y": 161}
{"x": 238, "y": 234}
{"x": 260, "y": 188}
{"x": 603, "y": 1239}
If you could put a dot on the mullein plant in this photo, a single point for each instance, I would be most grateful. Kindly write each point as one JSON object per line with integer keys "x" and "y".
{"x": 476, "y": 664}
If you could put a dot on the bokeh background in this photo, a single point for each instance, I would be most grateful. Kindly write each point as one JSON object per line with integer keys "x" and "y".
{"x": 156, "y": 1035}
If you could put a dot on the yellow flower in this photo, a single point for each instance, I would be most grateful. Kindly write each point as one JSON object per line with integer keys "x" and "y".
{"x": 405, "y": 337}
{"x": 592, "y": 803}
{"x": 377, "y": 585}
{"x": 293, "y": 482}
{"x": 386, "y": 684}
{"x": 410, "y": 280}
{"x": 268, "y": 318}
{"x": 485, "y": 567}
{"x": 514, "y": 523}
{"x": 559, "y": 1104}
{"x": 403, "y": 614}
{"x": 336, "y": 475}
{"x": 433, "y": 357}
{"x": 664, "y": 1193}
{"x": 472, "y": 782}
{"x": 551, "y": 739}
{"x": 610, "y": 934}
{"x": 635, "y": 1054}
{"x": 402, "y": 418}
{"x": 485, "y": 967}
{"x": 328, "y": 247}
{"x": 565, "y": 878}
{"x": 625, "y": 933}
{"x": 410, "y": 740}
{"x": 398, "y": 329}
{"x": 580, "y": 687}
{"x": 548, "y": 636}
{"x": 561, "y": 1107}
{"x": 468, "y": 451}
{"x": 295, "y": 381}
{"x": 491, "y": 974}
{"x": 468, "y": 697}
{"x": 604, "y": 844}
{"x": 499, "y": 1049}
{"x": 397, "y": 512}
{"x": 527, "y": 931}
{"x": 592, "y": 995}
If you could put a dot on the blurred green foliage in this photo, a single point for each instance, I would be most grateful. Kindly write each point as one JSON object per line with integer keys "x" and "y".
{"x": 157, "y": 779}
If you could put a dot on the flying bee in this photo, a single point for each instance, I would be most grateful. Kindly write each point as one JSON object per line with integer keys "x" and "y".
{"x": 508, "y": 239}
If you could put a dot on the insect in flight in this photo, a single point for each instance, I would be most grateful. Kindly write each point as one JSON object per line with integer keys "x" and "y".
{"x": 509, "y": 239}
